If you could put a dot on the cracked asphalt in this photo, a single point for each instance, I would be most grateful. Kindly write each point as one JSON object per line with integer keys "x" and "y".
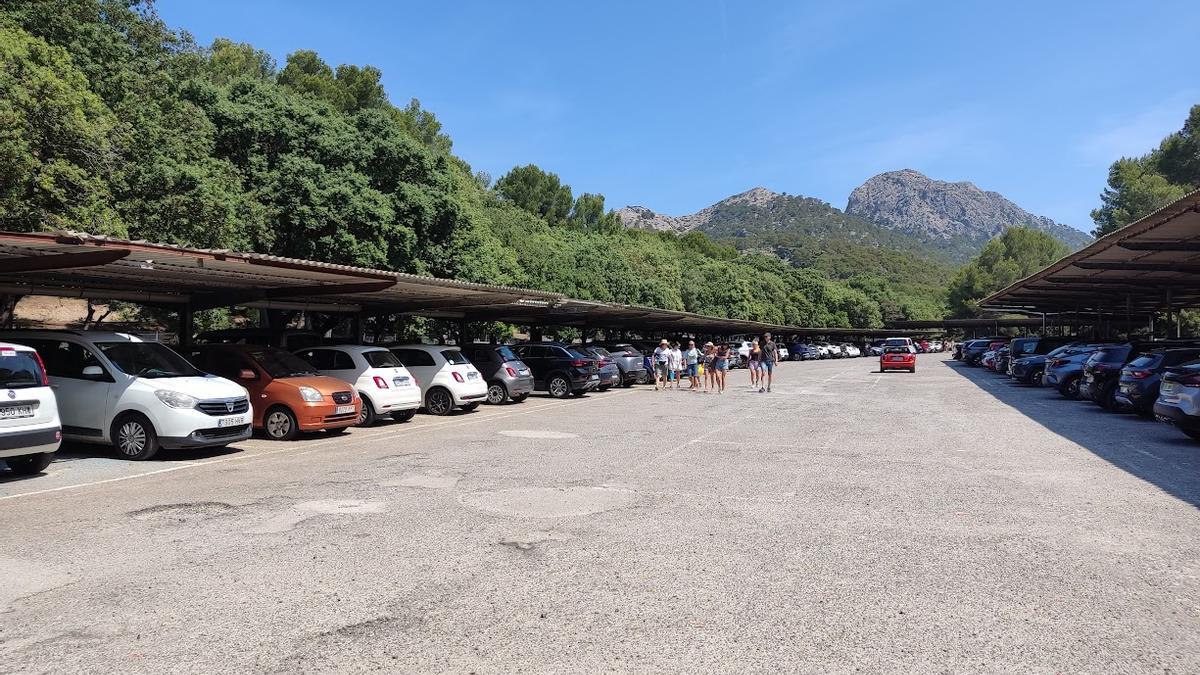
{"x": 849, "y": 521}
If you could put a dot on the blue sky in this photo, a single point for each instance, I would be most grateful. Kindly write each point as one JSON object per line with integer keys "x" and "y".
{"x": 676, "y": 105}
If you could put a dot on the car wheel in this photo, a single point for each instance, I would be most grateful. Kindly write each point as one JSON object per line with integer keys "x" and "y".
{"x": 603, "y": 387}
{"x": 1037, "y": 378}
{"x": 1108, "y": 400}
{"x": 497, "y": 393}
{"x": 471, "y": 406}
{"x": 628, "y": 383}
{"x": 520, "y": 399}
{"x": 913, "y": 369}
{"x": 559, "y": 387}
{"x": 280, "y": 424}
{"x": 366, "y": 415}
{"x": 1070, "y": 388}
{"x": 643, "y": 378}
{"x": 1193, "y": 434}
{"x": 438, "y": 401}
{"x": 403, "y": 415}
{"x": 28, "y": 465}
{"x": 578, "y": 393}
{"x": 133, "y": 437}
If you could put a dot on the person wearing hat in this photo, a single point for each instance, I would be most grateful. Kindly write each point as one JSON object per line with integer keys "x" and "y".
{"x": 710, "y": 372}
{"x": 661, "y": 359}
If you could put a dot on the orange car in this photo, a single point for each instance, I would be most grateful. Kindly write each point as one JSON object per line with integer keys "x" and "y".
{"x": 287, "y": 395}
{"x": 898, "y": 358}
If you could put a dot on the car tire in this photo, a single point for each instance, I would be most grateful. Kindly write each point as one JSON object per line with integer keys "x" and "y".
{"x": 625, "y": 383}
{"x": 1070, "y": 388}
{"x": 1193, "y": 434}
{"x": 913, "y": 369}
{"x": 1108, "y": 401}
{"x": 29, "y": 465}
{"x": 133, "y": 437}
{"x": 603, "y": 387}
{"x": 497, "y": 393}
{"x": 404, "y": 415}
{"x": 337, "y": 431}
{"x": 366, "y": 415}
{"x": 520, "y": 399}
{"x": 1037, "y": 378}
{"x": 558, "y": 386}
{"x": 643, "y": 378}
{"x": 438, "y": 401}
{"x": 578, "y": 393}
{"x": 471, "y": 407}
{"x": 279, "y": 424}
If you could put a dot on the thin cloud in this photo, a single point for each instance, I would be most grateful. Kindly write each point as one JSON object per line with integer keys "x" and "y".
{"x": 1136, "y": 135}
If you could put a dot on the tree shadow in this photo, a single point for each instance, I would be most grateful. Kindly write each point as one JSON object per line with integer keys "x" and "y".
{"x": 1153, "y": 451}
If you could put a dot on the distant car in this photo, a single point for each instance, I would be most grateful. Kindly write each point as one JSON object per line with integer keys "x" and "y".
{"x": 290, "y": 396}
{"x": 898, "y": 357}
{"x": 907, "y": 343}
{"x": 507, "y": 377}
{"x": 448, "y": 379}
{"x": 1064, "y": 372}
{"x": 629, "y": 360}
{"x": 1179, "y": 399}
{"x": 384, "y": 385}
{"x": 852, "y": 351}
{"x": 1140, "y": 380}
{"x": 610, "y": 374}
{"x": 805, "y": 352}
{"x": 973, "y": 351}
{"x": 30, "y": 431}
{"x": 559, "y": 369}
{"x": 784, "y": 354}
{"x": 875, "y": 348}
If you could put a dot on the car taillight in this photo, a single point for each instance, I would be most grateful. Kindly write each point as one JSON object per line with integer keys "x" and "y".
{"x": 458, "y": 377}
{"x": 42, "y": 368}
{"x": 579, "y": 363}
{"x": 1189, "y": 380}
{"x": 510, "y": 371}
{"x": 1139, "y": 374}
{"x": 380, "y": 382}
{"x": 1054, "y": 363}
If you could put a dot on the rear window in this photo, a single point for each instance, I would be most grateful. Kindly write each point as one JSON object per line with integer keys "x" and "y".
{"x": 576, "y": 354}
{"x": 897, "y": 342}
{"x": 1111, "y": 355}
{"x": 507, "y": 354}
{"x": 382, "y": 358}
{"x": 1146, "y": 361}
{"x": 19, "y": 369}
{"x": 455, "y": 357}
{"x": 1019, "y": 347}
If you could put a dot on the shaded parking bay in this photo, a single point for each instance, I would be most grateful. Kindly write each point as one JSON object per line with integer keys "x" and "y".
{"x": 850, "y": 519}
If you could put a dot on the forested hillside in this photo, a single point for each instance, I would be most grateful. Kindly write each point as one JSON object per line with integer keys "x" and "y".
{"x": 115, "y": 123}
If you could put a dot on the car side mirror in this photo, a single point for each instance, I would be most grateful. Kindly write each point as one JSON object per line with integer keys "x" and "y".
{"x": 247, "y": 374}
{"x": 93, "y": 371}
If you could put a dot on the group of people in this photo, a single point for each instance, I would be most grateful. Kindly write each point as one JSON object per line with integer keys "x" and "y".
{"x": 673, "y": 363}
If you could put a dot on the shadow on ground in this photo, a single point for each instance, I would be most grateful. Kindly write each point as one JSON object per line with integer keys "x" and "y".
{"x": 1150, "y": 450}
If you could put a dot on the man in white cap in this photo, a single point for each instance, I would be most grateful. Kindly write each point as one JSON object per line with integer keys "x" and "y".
{"x": 661, "y": 359}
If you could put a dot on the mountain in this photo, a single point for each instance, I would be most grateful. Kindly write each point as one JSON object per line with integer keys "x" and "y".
{"x": 957, "y": 218}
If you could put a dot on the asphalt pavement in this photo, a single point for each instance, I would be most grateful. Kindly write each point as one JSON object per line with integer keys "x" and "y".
{"x": 946, "y": 520}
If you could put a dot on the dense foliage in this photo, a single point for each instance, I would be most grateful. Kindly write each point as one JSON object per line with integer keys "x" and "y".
{"x": 1014, "y": 255}
{"x": 111, "y": 122}
{"x": 1138, "y": 186}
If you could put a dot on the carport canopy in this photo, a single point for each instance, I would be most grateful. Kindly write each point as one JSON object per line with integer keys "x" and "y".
{"x": 1150, "y": 265}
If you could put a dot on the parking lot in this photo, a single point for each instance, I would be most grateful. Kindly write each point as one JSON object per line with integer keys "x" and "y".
{"x": 946, "y": 519}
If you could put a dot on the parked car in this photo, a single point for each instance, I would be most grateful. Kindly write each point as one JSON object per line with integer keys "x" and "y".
{"x": 138, "y": 396}
{"x": 1102, "y": 370}
{"x": 1064, "y": 372}
{"x": 805, "y": 352}
{"x": 290, "y": 397}
{"x": 875, "y": 348}
{"x": 448, "y": 379}
{"x": 507, "y": 377}
{"x": 30, "y": 431}
{"x": 973, "y": 351}
{"x": 1140, "y": 380}
{"x": 629, "y": 360}
{"x": 898, "y": 357}
{"x": 851, "y": 351}
{"x": 610, "y": 374}
{"x": 384, "y": 385}
{"x": 1030, "y": 369}
{"x": 559, "y": 369}
{"x": 907, "y": 343}
{"x": 736, "y": 360}
{"x": 1179, "y": 399}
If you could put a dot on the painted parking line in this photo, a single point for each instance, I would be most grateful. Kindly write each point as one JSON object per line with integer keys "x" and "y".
{"x": 310, "y": 446}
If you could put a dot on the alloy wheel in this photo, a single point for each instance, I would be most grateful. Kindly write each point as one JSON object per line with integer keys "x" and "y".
{"x": 439, "y": 403}
{"x": 278, "y": 425}
{"x": 131, "y": 438}
{"x": 496, "y": 393}
{"x": 559, "y": 387}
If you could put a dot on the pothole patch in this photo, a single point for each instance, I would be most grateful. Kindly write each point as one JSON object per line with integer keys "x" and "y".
{"x": 324, "y": 507}
{"x": 549, "y": 502}
{"x": 182, "y": 512}
{"x": 528, "y": 541}
{"x": 538, "y": 433}
{"x": 427, "y": 481}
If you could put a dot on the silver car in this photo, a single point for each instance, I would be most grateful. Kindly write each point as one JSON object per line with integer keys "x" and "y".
{"x": 508, "y": 378}
{"x": 610, "y": 373}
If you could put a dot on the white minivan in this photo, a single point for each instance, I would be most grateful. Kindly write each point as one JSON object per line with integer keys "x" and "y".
{"x": 448, "y": 380}
{"x": 138, "y": 396}
{"x": 383, "y": 383}
{"x": 29, "y": 428}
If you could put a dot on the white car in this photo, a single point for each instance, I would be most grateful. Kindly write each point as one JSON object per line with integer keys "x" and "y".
{"x": 743, "y": 348}
{"x": 115, "y": 388}
{"x": 447, "y": 378}
{"x": 383, "y": 383}
{"x": 852, "y": 351}
{"x": 29, "y": 428}
{"x": 784, "y": 355}
{"x": 907, "y": 343}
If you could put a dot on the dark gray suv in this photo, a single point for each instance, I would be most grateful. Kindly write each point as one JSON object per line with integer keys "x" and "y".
{"x": 507, "y": 377}
{"x": 628, "y": 359}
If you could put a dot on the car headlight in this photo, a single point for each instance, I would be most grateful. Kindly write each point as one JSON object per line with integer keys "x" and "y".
{"x": 311, "y": 395}
{"x": 175, "y": 399}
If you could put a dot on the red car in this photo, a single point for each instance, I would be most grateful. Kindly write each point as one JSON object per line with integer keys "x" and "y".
{"x": 898, "y": 358}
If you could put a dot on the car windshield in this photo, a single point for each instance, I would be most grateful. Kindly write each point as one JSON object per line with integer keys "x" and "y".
{"x": 507, "y": 354}
{"x": 19, "y": 369}
{"x": 455, "y": 357}
{"x": 279, "y": 363}
{"x": 147, "y": 359}
{"x": 382, "y": 358}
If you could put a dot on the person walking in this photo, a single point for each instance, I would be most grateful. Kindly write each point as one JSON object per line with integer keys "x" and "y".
{"x": 661, "y": 358}
{"x": 675, "y": 361}
{"x": 691, "y": 364}
{"x": 754, "y": 362}
{"x": 721, "y": 365}
{"x": 770, "y": 356}
{"x": 710, "y": 369}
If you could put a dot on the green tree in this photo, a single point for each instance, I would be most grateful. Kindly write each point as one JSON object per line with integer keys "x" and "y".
{"x": 1014, "y": 255}
{"x": 538, "y": 192}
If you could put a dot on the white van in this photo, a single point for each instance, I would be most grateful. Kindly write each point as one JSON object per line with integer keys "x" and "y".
{"x": 29, "y": 428}
{"x": 383, "y": 383}
{"x": 115, "y": 388}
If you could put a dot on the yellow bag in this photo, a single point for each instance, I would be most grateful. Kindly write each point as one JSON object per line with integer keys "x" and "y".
{"x": 699, "y": 369}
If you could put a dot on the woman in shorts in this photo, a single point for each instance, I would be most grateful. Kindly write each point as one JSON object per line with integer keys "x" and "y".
{"x": 754, "y": 362}
{"x": 710, "y": 369}
{"x": 721, "y": 365}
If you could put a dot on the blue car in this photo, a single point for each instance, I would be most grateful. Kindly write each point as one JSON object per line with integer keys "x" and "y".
{"x": 1065, "y": 371}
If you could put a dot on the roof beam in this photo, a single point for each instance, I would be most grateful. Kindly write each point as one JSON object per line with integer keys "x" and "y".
{"x": 1138, "y": 265}
{"x": 1185, "y": 246}
{"x": 61, "y": 261}
{"x": 228, "y": 299}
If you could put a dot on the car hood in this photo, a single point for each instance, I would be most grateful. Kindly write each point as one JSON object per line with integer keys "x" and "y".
{"x": 322, "y": 383}
{"x": 200, "y": 387}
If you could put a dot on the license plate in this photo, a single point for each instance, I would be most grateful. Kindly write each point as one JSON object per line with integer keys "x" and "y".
{"x": 595, "y": 377}
{"x": 400, "y": 381}
{"x": 231, "y": 421}
{"x": 472, "y": 376}
{"x": 343, "y": 409}
{"x": 1168, "y": 388}
{"x": 15, "y": 411}
{"x": 895, "y": 358}
{"x": 1088, "y": 378}
{"x": 1126, "y": 388}
{"x": 523, "y": 371}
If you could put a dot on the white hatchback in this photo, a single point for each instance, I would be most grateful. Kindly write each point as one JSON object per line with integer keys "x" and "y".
{"x": 29, "y": 428}
{"x": 383, "y": 383}
{"x": 138, "y": 396}
{"x": 448, "y": 380}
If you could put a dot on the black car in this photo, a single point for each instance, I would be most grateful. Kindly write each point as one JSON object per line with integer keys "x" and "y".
{"x": 1032, "y": 345}
{"x": 1140, "y": 379}
{"x": 1029, "y": 369}
{"x": 559, "y": 369}
{"x": 1102, "y": 370}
